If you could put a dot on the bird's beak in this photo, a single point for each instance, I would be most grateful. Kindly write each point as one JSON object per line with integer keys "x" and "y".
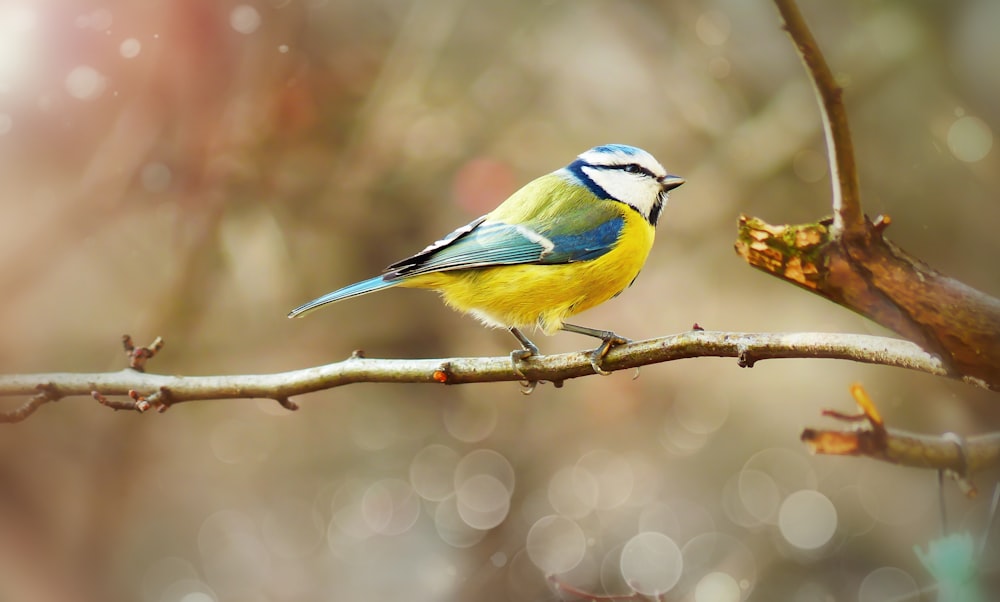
{"x": 669, "y": 182}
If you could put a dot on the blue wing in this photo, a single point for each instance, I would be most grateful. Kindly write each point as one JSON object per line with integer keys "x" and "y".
{"x": 486, "y": 243}
{"x": 586, "y": 245}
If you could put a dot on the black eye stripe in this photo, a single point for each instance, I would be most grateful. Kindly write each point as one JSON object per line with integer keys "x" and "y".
{"x": 634, "y": 168}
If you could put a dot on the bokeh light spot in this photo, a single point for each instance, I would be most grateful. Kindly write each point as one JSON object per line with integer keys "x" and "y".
{"x": 18, "y": 38}
{"x": 713, "y": 28}
{"x": 452, "y": 528}
{"x": 85, "y": 83}
{"x": 556, "y": 544}
{"x": 483, "y": 501}
{"x": 702, "y": 414}
{"x": 613, "y": 476}
{"x": 244, "y": 19}
{"x": 188, "y": 590}
{"x": 155, "y": 177}
{"x": 719, "y": 67}
{"x": 651, "y": 563}
{"x": 130, "y": 48}
{"x": 390, "y": 506}
{"x": 485, "y": 461}
{"x": 679, "y": 440}
{"x": 573, "y": 492}
{"x": 163, "y": 572}
{"x": 470, "y": 421}
{"x": 767, "y": 477}
{"x": 888, "y": 583}
{"x": 348, "y": 514}
{"x": 807, "y": 519}
{"x": 710, "y": 554}
{"x": 970, "y": 139}
{"x": 759, "y": 494}
{"x": 432, "y": 472}
{"x": 717, "y": 587}
{"x": 101, "y": 19}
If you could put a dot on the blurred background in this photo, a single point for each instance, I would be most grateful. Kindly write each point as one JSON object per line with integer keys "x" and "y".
{"x": 196, "y": 169}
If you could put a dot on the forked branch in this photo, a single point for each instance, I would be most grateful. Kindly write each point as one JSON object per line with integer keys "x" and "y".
{"x": 850, "y": 262}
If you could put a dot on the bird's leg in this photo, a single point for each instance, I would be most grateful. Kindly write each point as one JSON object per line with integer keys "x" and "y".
{"x": 528, "y": 349}
{"x": 608, "y": 338}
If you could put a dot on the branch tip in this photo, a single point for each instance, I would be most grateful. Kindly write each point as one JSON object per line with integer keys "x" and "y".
{"x": 287, "y": 403}
{"x": 882, "y": 222}
{"x": 46, "y": 393}
{"x": 137, "y": 356}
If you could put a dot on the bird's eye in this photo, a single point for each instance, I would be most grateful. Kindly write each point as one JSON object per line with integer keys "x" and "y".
{"x": 633, "y": 168}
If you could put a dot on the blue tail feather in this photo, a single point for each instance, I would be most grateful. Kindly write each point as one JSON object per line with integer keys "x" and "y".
{"x": 358, "y": 288}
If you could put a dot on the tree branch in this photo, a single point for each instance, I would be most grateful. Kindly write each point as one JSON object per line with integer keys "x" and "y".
{"x": 958, "y": 457}
{"x": 847, "y": 217}
{"x": 850, "y": 262}
{"x": 159, "y": 391}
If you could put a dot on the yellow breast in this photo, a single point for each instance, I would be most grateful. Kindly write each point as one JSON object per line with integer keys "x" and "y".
{"x": 532, "y": 295}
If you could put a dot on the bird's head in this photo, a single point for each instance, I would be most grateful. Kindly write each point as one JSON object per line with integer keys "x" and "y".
{"x": 625, "y": 174}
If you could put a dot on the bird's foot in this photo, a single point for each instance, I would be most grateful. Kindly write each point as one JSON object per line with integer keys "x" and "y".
{"x": 519, "y": 356}
{"x": 609, "y": 340}
{"x": 516, "y": 358}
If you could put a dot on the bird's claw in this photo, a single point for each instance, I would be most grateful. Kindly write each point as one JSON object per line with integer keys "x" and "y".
{"x": 516, "y": 357}
{"x": 519, "y": 355}
{"x": 597, "y": 355}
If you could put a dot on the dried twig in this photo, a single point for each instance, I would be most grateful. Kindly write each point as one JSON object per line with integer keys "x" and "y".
{"x": 870, "y": 437}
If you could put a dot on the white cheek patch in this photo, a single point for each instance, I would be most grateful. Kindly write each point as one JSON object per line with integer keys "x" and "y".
{"x": 636, "y": 190}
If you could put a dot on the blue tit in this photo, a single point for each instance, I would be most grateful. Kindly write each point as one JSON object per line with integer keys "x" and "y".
{"x": 563, "y": 243}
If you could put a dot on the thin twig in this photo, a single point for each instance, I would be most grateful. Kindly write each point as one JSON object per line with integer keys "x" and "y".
{"x": 163, "y": 391}
{"x": 848, "y": 217}
{"x": 45, "y": 393}
{"x": 955, "y": 456}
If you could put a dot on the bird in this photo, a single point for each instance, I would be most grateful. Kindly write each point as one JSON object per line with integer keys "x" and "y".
{"x": 563, "y": 243}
